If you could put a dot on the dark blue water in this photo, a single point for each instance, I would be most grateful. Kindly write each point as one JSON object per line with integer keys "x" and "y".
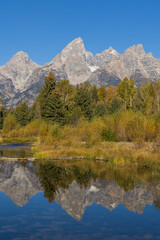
{"x": 42, "y": 220}
{"x": 31, "y": 207}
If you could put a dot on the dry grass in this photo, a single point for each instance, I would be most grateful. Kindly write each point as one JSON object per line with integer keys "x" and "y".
{"x": 120, "y": 153}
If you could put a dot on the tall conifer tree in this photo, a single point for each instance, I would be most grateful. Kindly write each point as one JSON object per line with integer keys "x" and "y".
{"x": 46, "y": 91}
{"x": 22, "y": 113}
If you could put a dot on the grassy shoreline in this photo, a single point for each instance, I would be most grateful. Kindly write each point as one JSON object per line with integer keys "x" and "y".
{"x": 119, "y": 154}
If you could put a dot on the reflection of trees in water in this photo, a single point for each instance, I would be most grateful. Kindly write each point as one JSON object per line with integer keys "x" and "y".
{"x": 23, "y": 163}
{"x": 83, "y": 178}
{"x": 51, "y": 178}
{"x": 157, "y": 204}
{"x": 125, "y": 182}
{"x": 55, "y": 175}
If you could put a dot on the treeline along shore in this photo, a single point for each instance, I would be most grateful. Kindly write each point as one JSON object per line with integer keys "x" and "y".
{"x": 118, "y": 123}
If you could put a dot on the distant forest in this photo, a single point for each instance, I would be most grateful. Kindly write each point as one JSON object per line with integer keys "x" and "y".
{"x": 129, "y": 112}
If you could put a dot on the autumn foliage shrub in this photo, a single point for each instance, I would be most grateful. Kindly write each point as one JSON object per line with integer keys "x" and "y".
{"x": 134, "y": 126}
{"x": 9, "y": 123}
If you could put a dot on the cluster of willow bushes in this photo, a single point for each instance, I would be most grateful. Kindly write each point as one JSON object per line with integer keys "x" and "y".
{"x": 125, "y": 126}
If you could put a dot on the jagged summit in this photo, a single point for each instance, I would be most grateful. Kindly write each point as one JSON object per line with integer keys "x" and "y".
{"x": 137, "y": 49}
{"x": 76, "y": 41}
{"x": 21, "y": 54}
{"x": 19, "y": 68}
{"x": 133, "y": 63}
{"x": 74, "y": 62}
{"x": 76, "y": 46}
{"x": 101, "y": 59}
{"x": 19, "y": 57}
{"x": 23, "y": 78}
{"x": 111, "y": 49}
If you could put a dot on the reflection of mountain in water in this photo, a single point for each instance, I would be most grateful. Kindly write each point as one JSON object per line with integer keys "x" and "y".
{"x": 21, "y": 183}
{"x": 74, "y": 200}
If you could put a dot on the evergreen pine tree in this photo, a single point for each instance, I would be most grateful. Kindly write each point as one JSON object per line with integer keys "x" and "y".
{"x": 54, "y": 110}
{"x": 46, "y": 91}
{"x": 100, "y": 109}
{"x": 95, "y": 94}
{"x": 22, "y": 114}
{"x": 83, "y": 99}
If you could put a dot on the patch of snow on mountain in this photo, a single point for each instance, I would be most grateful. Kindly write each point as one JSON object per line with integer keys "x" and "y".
{"x": 93, "y": 68}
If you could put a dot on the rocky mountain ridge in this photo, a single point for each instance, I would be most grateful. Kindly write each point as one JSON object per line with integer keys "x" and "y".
{"x": 21, "y": 78}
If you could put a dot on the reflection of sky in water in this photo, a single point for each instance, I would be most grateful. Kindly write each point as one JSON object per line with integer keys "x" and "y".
{"x": 40, "y": 219}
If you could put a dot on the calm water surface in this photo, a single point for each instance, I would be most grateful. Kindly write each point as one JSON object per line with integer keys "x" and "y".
{"x": 18, "y": 150}
{"x": 51, "y": 201}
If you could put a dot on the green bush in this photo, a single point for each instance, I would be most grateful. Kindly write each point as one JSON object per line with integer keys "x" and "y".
{"x": 108, "y": 136}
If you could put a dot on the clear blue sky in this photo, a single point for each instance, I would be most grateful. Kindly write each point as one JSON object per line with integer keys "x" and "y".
{"x": 42, "y": 28}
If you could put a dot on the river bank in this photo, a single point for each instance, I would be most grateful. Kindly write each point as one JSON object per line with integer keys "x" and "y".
{"x": 115, "y": 153}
